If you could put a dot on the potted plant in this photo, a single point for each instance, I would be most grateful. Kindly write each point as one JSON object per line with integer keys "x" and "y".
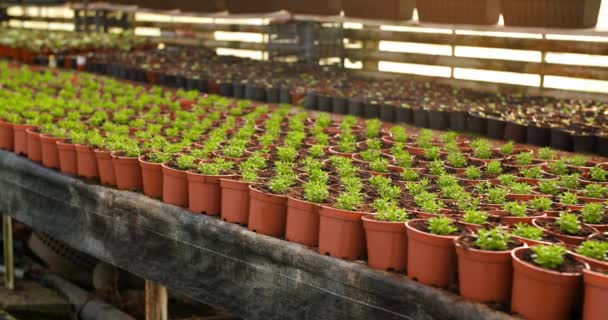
{"x": 546, "y": 282}
{"x": 85, "y": 157}
{"x": 268, "y": 202}
{"x": 34, "y": 148}
{"x": 386, "y": 236}
{"x": 485, "y": 266}
{"x": 235, "y": 191}
{"x": 152, "y": 172}
{"x": 50, "y": 134}
{"x": 596, "y": 293}
{"x": 303, "y": 209}
{"x": 126, "y": 164}
{"x": 567, "y": 228}
{"x": 595, "y": 216}
{"x": 532, "y": 235}
{"x": 431, "y": 255}
{"x": 206, "y": 181}
{"x": 175, "y": 183}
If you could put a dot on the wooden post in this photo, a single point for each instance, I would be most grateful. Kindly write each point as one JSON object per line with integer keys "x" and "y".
{"x": 156, "y": 301}
{"x": 9, "y": 262}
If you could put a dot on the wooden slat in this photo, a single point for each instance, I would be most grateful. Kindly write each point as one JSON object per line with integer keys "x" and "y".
{"x": 43, "y": 19}
{"x": 598, "y": 48}
{"x": 586, "y": 72}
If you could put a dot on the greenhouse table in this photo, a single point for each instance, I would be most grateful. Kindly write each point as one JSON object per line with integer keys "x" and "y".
{"x": 218, "y": 263}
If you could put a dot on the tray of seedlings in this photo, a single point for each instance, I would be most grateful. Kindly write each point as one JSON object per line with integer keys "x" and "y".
{"x": 517, "y": 227}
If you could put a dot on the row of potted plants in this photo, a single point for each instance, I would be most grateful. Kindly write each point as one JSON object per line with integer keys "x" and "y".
{"x": 38, "y": 46}
{"x": 566, "y": 124}
{"x": 437, "y": 206}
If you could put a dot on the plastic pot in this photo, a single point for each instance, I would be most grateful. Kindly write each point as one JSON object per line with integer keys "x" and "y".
{"x": 341, "y": 233}
{"x": 67, "y": 157}
{"x": 267, "y": 213}
{"x": 339, "y": 105}
{"x": 175, "y": 186}
{"x": 34, "y": 150}
{"x": 387, "y": 113}
{"x": 386, "y": 244}
{"x": 457, "y": 120}
{"x": 204, "y": 193}
{"x": 272, "y": 95}
{"x": 86, "y": 162}
{"x": 355, "y": 107}
{"x": 561, "y": 139}
{"x": 515, "y": 132}
{"x": 583, "y": 143}
{"x": 421, "y": 118}
{"x": 496, "y": 128}
{"x": 128, "y": 172}
{"x": 477, "y": 124}
{"x": 302, "y": 224}
{"x": 538, "y": 136}
{"x": 235, "y": 201}
{"x": 324, "y": 103}
{"x": 596, "y": 295}
{"x": 371, "y": 110}
{"x": 226, "y": 89}
{"x": 50, "y": 153}
{"x": 20, "y": 138}
{"x": 7, "y": 140}
{"x": 310, "y": 101}
{"x": 431, "y": 259}
{"x": 105, "y": 166}
{"x": 484, "y": 276}
{"x": 540, "y": 293}
{"x": 438, "y": 120}
{"x": 152, "y": 178}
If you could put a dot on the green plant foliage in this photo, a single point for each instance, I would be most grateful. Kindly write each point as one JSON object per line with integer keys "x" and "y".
{"x": 528, "y": 231}
{"x": 496, "y": 239}
{"x": 475, "y": 217}
{"x": 592, "y": 213}
{"x": 549, "y": 256}
{"x": 594, "y": 249}
{"x": 568, "y": 223}
{"x": 442, "y": 226}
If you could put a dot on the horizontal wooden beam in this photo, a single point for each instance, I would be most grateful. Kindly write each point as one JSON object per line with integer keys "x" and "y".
{"x": 209, "y": 43}
{"x": 587, "y": 72}
{"x": 597, "y": 48}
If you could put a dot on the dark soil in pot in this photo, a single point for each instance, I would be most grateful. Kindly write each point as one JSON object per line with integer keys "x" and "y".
{"x": 438, "y": 120}
{"x": 339, "y": 105}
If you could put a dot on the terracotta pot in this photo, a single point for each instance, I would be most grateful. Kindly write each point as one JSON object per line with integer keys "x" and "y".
{"x": 67, "y": 157}
{"x": 341, "y": 233}
{"x": 386, "y": 244}
{"x": 267, "y": 213}
{"x": 302, "y": 224}
{"x": 596, "y": 295}
{"x": 7, "y": 139}
{"x": 128, "y": 172}
{"x": 86, "y": 162}
{"x": 235, "y": 201}
{"x": 431, "y": 259}
{"x": 175, "y": 186}
{"x": 50, "y": 152}
{"x": 204, "y": 193}
{"x": 20, "y": 138}
{"x": 105, "y": 166}
{"x": 34, "y": 149}
{"x": 513, "y": 220}
{"x": 567, "y": 239}
{"x": 484, "y": 276}
{"x": 152, "y": 178}
{"x": 540, "y": 294}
